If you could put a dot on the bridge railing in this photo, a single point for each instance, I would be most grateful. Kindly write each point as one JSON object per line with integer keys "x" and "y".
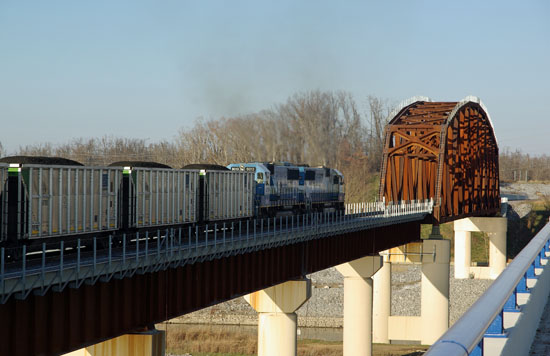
{"x": 58, "y": 266}
{"x": 363, "y": 207}
{"x": 504, "y": 319}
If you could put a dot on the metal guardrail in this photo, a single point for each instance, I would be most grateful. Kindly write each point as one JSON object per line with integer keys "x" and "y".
{"x": 178, "y": 247}
{"x": 485, "y": 318}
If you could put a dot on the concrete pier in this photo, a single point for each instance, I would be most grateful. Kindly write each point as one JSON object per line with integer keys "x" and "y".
{"x": 435, "y": 288}
{"x": 277, "y": 322}
{"x": 358, "y": 289}
{"x": 381, "y": 304}
{"x": 463, "y": 253}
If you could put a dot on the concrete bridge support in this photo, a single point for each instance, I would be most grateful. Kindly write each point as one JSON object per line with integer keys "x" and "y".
{"x": 277, "y": 322}
{"x": 358, "y": 304}
{"x": 381, "y": 303}
{"x": 435, "y": 287}
{"x": 463, "y": 253}
{"x": 147, "y": 343}
{"x": 496, "y": 228}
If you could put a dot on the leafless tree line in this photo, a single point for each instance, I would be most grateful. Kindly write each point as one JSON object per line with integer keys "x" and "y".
{"x": 316, "y": 127}
{"x": 518, "y": 166}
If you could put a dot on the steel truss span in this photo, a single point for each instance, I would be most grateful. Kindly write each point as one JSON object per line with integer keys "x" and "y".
{"x": 445, "y": 151}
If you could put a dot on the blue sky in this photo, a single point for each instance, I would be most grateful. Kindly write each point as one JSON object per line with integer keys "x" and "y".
{"x": 145, "y": 69}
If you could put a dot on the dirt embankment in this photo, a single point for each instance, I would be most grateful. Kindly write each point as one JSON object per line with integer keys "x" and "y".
{"x": 528, "y": 212}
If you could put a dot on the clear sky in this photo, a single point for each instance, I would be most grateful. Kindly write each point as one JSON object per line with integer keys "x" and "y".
{"x": 145, "y": 69}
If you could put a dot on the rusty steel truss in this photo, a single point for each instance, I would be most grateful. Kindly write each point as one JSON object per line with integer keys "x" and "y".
{"x": 446, "y": 151}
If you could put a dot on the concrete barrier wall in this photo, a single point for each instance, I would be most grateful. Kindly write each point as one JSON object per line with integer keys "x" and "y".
{"x": 404, "y": 328}
{"x": 521, "y": 336}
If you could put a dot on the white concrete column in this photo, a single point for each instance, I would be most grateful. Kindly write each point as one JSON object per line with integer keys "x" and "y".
{"x": 463, "y": 253}
{"x": 381, "y": 303}
{"x": 358, "y": 304}
{"x": 435, "y": 290}
{"x": 497, "y": 251}
{"x": 277, "y": 321}
{"x": 497, "y": 245}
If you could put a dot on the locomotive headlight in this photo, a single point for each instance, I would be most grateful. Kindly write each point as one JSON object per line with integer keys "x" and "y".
{"x": 127, "y": 170}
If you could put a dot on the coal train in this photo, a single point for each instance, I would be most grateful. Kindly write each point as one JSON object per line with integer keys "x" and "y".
{"x": 54, "y": 198}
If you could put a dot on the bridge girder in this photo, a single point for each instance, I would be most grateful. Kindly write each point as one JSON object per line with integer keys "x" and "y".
{"x": 446, "y": 151}
{"x": 60, "y": 322}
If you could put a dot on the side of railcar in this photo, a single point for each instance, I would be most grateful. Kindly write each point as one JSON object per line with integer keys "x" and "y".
{"x": 161, "y": 196}
{"x": 227, "y": 195}
{"x": 66, "y": 200}
{"x": 56, "y": 200}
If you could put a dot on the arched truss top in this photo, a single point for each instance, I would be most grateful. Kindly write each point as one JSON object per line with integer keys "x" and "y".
{"x": 442, "y": 150}
{"x": 406, "y": 103}
{"x": 401, "y": 108}
{"x": 474, "y": 99}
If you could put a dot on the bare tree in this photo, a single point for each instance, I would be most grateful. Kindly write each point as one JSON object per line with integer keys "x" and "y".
{"x": 316, "y": 124}
{"x": 315, "y": 127}
{"x": 41, "y": 149}
{"x": 517, "y": 165}
{"x": 379, "y": 111}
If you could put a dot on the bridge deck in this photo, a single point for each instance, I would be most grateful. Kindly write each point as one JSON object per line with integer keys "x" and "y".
{"x": 62, "y": 304}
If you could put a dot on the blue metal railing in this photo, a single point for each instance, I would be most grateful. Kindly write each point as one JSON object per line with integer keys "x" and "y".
{"x": 485, "y": 319}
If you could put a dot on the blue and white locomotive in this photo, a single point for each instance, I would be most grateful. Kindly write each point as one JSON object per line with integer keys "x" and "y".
{"x": 284, "y": 187}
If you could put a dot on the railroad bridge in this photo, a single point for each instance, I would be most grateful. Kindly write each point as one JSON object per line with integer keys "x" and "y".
{"x": 446, "y": 151}
{"x": 440, "y": 164}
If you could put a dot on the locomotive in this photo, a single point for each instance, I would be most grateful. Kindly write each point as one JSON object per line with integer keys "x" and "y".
{"x": 52, "y": 198}
{"x": 284, "y": 187}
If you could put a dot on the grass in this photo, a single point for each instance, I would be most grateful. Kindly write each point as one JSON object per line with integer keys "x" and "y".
{"x": 205, "y": 340}
{"x": 480, "y": 242}
{"x": 480, "y": 248}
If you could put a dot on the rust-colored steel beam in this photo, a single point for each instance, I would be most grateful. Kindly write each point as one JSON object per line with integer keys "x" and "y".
{"x": 60, "y": 322}
{"x": 446, "y": 151}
